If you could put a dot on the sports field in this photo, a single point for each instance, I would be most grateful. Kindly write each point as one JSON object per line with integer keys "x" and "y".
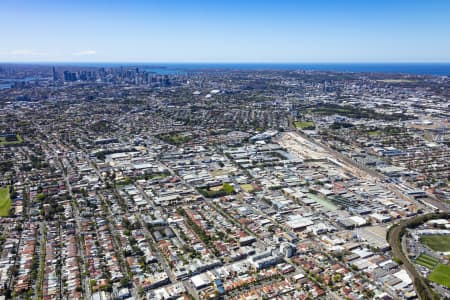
{"x": 304, "y": 125}
{"x": 426, "y": 261}
{"x": 439, "y": 243}
{"x": 5, "y": 202}
{"x": 5, "y": 141}
{"x": 441, "y": 275}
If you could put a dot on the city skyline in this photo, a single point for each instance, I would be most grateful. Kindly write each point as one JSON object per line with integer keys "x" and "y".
{"x": 225, "y": 32}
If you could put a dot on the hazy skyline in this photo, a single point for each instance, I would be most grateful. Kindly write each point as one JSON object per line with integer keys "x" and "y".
{"x": 224, "y": 31}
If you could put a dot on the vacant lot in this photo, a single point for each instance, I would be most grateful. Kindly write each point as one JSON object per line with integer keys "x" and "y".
{"x": 439, "y": 243}
{"x": 5, "y": 202}
{"x": 426, "y": 261}
{"x": 247, "y": 188}
{"x": 441, "y": 275}
{"x": 215, "y": 188}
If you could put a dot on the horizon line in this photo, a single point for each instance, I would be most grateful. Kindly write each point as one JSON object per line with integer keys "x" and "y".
{"x": 226, "y": 63}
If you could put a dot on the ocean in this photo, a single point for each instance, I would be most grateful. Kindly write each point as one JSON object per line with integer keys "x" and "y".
{"x": 441, "y": 69}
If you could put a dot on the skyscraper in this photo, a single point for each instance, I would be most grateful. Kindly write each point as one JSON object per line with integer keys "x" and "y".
{"x": 55, "y": 75}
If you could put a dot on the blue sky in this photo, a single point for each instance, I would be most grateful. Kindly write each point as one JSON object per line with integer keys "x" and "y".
{"x": 225, "y": 31}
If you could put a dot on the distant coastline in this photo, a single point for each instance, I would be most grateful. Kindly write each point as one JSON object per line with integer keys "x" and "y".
{"x": 440, "y": 69}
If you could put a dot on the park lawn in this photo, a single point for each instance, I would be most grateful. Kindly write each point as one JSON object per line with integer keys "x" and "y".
{"x": 5, "y": 202}
{"x": 439, "y": 243}
{"x": 441, "y": 275}
{"x": 426, "y": 261}
{"x": 304, "y": 125}
{"x": 373, "y": 133}
{"x": 175, "y": 138}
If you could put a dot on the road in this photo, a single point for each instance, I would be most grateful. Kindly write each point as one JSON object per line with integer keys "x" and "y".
{"x": 85, "y": 279}
{"x": 118, "y": 247}
{"x": 160, "y": 258}
{"x": 41, "y": 258}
